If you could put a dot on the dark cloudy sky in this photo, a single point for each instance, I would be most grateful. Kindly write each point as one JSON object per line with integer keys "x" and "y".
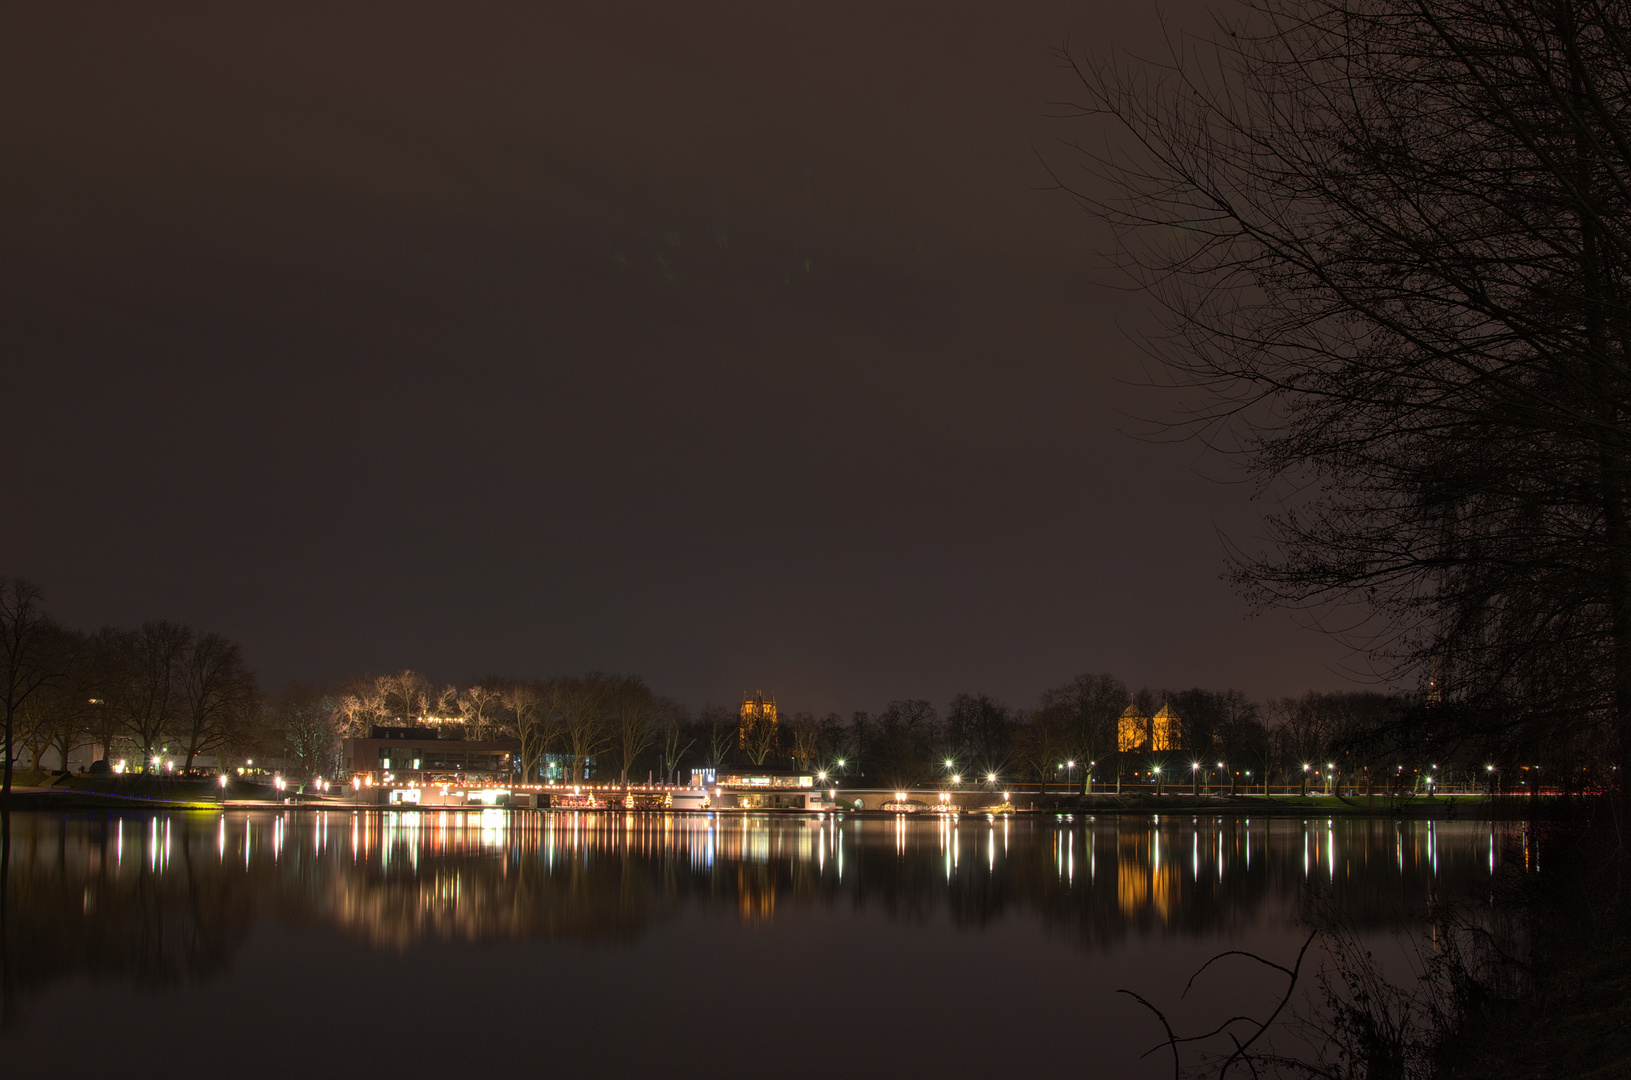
{"x": 737, "y": 345}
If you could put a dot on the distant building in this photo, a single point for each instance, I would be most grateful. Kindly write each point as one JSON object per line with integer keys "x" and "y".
{"x": 1137, "y": 732}
{"x": 408, "y": 755}
{"x": 1165, "y": 733}
{"x": 765, "y": 789}
{"x": 1133, "y": 730}
{"x": 756, "y": 719}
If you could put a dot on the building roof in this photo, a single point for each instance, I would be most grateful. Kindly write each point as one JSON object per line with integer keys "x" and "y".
{"x": 1165, "y": 712}
{"x": 1131, "y": 712}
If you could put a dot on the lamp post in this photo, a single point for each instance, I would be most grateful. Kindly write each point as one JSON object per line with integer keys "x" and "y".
{"x": 1305, "y": 779}
{"x": 1089, "y": 785}
{"x": 1156, "y": 769}
{"x": 1070, "y": 773}
{"x": 1195, "y": 779}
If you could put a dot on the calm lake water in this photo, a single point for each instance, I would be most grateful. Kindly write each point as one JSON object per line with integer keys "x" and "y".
{"x": 425, "y": 943}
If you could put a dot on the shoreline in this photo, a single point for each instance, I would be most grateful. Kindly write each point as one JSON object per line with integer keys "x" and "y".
{"x": 1419, "y": 808}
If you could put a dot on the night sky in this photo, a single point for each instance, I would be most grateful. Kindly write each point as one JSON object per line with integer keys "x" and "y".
{"x": 734, "y": 345}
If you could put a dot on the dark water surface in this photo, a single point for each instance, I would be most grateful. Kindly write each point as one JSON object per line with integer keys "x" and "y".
{"x": 426, "y": 943}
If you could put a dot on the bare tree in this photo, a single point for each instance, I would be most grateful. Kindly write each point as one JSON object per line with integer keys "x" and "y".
{"x": 361, "y": 705}
{"x": 529, "y": 718}
{"x": 309, "y": 723}
{"x": 217, "y": 695}
{"x": 674, "y": 737}
{"x": 27, "y": 659}
{"x": 60, "y": 715}
{"x": 1392, "y": 239}
{"x": 407, "y": 695}
{"x": 106, "y": 660}
{"x": 721, "y": 726}
{"x": 634, "y": 716}
{"x": 979, "y": 731}
{"x": 582, "y": 705}
{"x": 804, "y": 734}
{"x": 480, "y": 706}
{"x": 148, "y": 695}
{"x": 902, "y": 750}
{"x": 79, "y": 697}
{"x": 761, "y": 741}
{"x": 1039, "y": 743}
{"x": 35, "y": 721}
{"x": 1088, "y": 708}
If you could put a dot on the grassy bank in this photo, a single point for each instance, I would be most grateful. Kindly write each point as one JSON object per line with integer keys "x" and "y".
{"x": 80, "y": 792}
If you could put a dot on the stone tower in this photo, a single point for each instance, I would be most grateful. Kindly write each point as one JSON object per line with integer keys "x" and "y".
{"x": 1166, "y": 733}
{"x": 1133, "y": 731}
{"x": 755, "y": 711}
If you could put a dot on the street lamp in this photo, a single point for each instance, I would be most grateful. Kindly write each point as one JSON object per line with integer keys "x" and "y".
{"x": 1156, "y": 769}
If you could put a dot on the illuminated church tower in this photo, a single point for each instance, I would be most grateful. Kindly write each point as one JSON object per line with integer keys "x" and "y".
{"x": 1166, "y": 734}
{"x": 755, "y": 711}
{"x": 1133, "y": 732}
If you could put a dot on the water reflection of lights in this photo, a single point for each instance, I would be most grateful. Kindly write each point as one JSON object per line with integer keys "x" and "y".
{"x": 412, "y": 873}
